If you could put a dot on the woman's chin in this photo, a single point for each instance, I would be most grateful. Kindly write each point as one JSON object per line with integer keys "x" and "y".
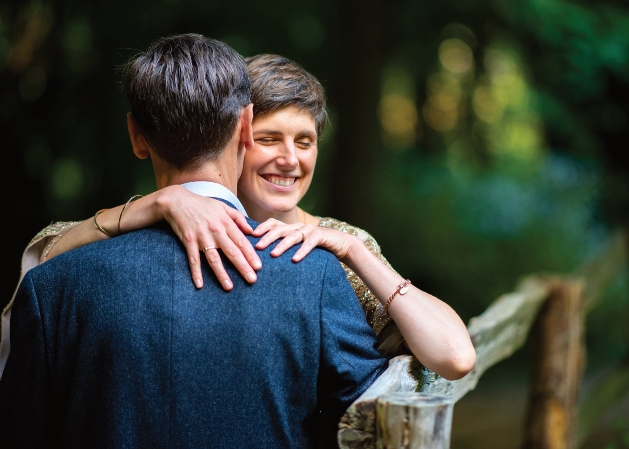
{"x": 281, "y": 208}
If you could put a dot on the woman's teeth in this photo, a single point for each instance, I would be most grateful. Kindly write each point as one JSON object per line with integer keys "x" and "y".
{"x": 280, "y": 180}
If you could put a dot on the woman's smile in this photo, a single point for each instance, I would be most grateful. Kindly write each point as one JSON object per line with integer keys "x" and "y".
{"x": 278, "y": 170}
{"x": 280, "y": 181}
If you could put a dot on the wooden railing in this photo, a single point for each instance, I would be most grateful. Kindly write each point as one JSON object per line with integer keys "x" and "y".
{"x": 411, "y": 407}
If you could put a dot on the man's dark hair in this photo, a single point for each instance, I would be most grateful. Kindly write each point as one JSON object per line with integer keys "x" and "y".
{"x": 187, "y": 93}
{"x": 277, "y": 82}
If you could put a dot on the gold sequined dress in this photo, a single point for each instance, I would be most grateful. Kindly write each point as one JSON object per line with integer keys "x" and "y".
{"x": 390, "y": 340}
{"x": 35, "y": 252}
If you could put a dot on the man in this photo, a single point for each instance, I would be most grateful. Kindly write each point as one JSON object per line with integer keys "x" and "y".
{"x": 113, "y": 346}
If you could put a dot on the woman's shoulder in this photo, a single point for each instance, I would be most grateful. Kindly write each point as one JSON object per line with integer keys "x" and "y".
{"x": 52, "y": 229}
{"x": 333, "y": 223}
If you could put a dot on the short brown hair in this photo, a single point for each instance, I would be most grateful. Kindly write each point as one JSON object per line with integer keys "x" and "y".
{"x": 187, "y": 93}
{"x": 277, "y": 82}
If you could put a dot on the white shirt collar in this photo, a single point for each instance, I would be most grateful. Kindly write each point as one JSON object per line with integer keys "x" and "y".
{"x": 214, "y": 190}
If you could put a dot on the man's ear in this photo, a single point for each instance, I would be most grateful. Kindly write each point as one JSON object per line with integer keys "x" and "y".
{"x": 246, "y": 131}
{"x": 138, "y": 142}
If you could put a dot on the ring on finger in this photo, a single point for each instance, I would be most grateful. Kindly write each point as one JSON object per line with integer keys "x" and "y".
{"x": 303, "y": 236}
{"x": 207, "y": 248}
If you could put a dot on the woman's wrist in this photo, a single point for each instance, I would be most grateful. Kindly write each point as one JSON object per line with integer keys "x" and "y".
{"x": 355, "y": 253}
{"x": 165, "y": 201}
{"x": 378, "y": 277}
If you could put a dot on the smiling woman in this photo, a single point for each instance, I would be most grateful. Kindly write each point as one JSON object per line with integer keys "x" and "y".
{"x": 289, "y": 119}
{"x": 278, "y": 170}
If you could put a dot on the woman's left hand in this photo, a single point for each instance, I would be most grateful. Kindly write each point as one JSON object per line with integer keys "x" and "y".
{"x": 337, "y": 242}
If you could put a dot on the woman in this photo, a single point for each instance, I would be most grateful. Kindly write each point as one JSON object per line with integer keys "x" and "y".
{"x": 289, "y": 117}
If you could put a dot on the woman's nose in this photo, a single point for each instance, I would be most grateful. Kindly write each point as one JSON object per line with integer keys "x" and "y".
{"x": 288, "y": 157}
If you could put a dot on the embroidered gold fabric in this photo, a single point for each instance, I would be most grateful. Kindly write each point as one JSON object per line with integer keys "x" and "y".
{"x": 52, "y": 229}
{"x": 52, "y": 241}
{"x": 374, "y": 311}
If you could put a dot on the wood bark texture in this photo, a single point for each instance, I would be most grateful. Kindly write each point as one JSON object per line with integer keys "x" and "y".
{"x": 357, "y": 429}
{"x": 496, "y": 334}
{"x": 414, "y": 421}
{"x": 559, "y": 356}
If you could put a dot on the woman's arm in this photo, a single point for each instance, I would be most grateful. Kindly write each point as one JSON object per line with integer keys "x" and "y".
{"x": 433, "y": 331}
{"x": 198, "y": 221}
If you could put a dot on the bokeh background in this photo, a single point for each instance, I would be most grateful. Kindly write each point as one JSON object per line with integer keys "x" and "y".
{"x": 478, "y": 141}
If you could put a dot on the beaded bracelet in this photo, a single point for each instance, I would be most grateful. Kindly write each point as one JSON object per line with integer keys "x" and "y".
{"x": 401, "y": 289}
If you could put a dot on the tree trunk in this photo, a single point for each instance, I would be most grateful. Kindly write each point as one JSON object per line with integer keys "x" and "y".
{"x": 414, "y": 421}
{"x": 355, "y": 95}
{"x": 559, "y": 358}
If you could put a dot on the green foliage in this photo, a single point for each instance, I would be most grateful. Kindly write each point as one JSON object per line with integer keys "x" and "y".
{"x": 468, "y": 237}
{"x": 607, "y": 330}
{"x": 621, "y": 434}
{"x": 503, "y": 123}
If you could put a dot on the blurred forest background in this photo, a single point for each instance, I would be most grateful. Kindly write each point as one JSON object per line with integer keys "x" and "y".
{"x": 478, "y": 141}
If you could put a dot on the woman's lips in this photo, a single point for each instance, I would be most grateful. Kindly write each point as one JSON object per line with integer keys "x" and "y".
{"x": 281, "y": 181}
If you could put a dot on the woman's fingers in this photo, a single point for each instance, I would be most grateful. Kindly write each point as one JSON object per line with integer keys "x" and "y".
{"x": 312, "y": 238}
{"x": 239, "y": 219}
{"x": 278, "y": 231}
{"x": 293, "y": 237}
{"x": 240, "y": 252}
{"x": 194, "y": 260}
{"x": 251, "y": 259}
{"x": 214, "y": 259}
{"x": 267, "y": 226}
{"x": 335, "y": 241}
{"x": 304, "y": 249}
{"x": 234, "y": 252}
{"x": 227, "y": 237}
{"x": 209, "y": 223}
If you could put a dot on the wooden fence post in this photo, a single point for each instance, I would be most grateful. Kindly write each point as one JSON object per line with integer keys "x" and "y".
{"x": 413, "y": 421}
{"x": 559, "y": 358}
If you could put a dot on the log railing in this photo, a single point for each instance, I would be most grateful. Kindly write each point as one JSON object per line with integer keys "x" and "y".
{"x": 411, "y": 407}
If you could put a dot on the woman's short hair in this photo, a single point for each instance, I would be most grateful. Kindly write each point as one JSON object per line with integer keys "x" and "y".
{"x": 277, "y": 82}
{"x": 187, "y": 93}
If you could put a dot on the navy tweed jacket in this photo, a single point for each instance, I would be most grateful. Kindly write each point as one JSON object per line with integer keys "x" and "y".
{"x": 113, "y": 347}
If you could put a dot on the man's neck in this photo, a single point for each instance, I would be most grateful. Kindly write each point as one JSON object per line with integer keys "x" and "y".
{"x": 221, "y": 171}
{"x": 218, "y": 177}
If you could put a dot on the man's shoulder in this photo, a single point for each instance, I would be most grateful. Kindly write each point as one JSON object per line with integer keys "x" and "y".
{"x": 317, "y": 258}
{"x": 122, "y": 250}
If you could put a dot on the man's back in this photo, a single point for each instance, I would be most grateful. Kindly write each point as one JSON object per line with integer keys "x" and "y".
{"x": 127, "y": 353}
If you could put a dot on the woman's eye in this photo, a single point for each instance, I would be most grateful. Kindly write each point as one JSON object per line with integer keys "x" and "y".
{"x": 304, "y": 144}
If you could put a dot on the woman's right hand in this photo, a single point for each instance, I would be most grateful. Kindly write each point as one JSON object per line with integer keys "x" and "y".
{"x": 338, "y": 243}
{"x": 206, "y": 222}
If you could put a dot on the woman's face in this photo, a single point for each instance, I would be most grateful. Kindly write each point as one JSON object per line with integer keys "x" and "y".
{"x": 277, "y": 171}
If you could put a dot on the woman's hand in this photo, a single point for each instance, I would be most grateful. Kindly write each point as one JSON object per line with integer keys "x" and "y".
{"x": 433, "y": 331}
{"x": 202, "y": 222}
{"x": 338, "y": 243}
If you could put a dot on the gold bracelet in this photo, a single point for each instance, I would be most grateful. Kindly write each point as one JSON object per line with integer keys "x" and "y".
{"x": 134, "y": 197}
{"x": 99, "y": 227}
{"x": 401, "y": 289}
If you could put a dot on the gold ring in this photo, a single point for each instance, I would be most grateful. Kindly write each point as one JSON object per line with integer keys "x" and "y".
{"x": 206, "y": 248}
{"x": 303, "y": 236}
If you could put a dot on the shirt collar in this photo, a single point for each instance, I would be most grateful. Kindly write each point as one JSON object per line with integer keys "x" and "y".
{"x": 214, "y": 190}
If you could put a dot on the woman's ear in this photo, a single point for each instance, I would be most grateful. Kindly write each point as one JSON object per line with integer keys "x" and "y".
{"x": 246, "y": 131}
{"x": 138, "y": 142}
